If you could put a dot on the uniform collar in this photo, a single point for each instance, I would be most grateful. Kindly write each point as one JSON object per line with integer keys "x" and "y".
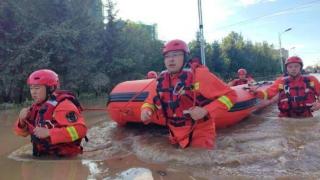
{"x": 298, "y": 77}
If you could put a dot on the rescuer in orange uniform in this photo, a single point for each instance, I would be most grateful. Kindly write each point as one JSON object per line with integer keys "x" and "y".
{"x": 188, "y": 99}
{"x": 53, "y": 121}
{"x": 152, "y": 75}
{"x": 242, "y": 78}
{"x": 298, "y": 94}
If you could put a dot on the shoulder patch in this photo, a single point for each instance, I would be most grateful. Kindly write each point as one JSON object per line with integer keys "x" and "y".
{"x": 72, "y": 117}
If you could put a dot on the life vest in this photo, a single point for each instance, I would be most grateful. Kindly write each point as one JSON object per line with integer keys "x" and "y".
{"x": 174, "y": 99}
{"x": 41, "y": 115}
{"x": 296, "y": 97}
{"x": 240, "y": 81}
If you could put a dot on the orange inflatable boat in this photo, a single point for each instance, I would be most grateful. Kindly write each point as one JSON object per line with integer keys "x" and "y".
{"x": 126, "y": 99}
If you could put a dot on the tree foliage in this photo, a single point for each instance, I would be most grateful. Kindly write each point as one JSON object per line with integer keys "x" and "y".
{"x": 233, "y": 53}
{"x": 91, "y": 56}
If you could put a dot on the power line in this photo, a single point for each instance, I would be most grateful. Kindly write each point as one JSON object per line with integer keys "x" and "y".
{"x": 306, "y": 52}
{"x": 303, "y": 6}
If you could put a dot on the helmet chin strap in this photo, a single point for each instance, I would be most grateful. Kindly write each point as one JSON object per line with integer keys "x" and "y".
{"x": 294, "y": 77}
{"x": 186, "y": 61}
{"x": 49, "y": 92}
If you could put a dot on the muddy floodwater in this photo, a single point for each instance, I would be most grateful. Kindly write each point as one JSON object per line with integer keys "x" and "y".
{"x": 262, "y": 146}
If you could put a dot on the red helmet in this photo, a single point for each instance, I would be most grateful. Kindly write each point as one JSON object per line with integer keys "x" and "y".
{"x": 152, "y": 75}
{"x": 242, "y": 72}
{"x": 44, "y": 77}
{"x": 294, "y": 59}
{"x": 175, "y": 45}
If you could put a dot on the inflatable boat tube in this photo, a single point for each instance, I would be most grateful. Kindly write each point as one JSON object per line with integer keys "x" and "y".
{"x": 126, "y": 98}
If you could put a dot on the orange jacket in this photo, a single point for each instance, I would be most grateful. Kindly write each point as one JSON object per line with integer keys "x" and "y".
{"x": 65, "y": 130}
{"x": 273, "y": 90}
{"x": 209, "y": 86}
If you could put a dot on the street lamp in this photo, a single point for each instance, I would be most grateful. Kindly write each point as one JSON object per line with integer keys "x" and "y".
{"x": 202, "y": 44}
{"x": 280, "y": 49}
{"x": 293, "y": 51}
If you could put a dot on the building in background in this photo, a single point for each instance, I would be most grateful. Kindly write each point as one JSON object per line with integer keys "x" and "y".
{"x": 152, "y": 30}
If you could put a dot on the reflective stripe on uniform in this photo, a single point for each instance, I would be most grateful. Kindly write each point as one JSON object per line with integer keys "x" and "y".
{"x": 311, "y": 83}
{"x": 73, "y": 133}
{"x": 196, "y": 86}
{"x": 147, "y": 105}
{"x": 265, "y": 95}
{"x": 226, "y": 101}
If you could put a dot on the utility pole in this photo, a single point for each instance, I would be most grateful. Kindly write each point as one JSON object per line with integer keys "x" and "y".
{"x": 202, "y": 48}
{"x": 280, "y": 48}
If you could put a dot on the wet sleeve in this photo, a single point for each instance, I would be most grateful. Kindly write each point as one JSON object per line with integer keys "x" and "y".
{"x": 148, "y": 102}
{"x": 315, "y": 82}
{"x": 71, "y": 124}
{"x": 20, "y": 131}
{"x": 211, "y": 87}
{"x": 231, "y": 83}
{"x": 271, "y": 91}
{"x": 251, "y": 80}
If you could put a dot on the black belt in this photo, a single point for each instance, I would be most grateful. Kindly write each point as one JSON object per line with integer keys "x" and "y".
{"x": 183, "y": 123}
{"x": 297, "y": 98}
